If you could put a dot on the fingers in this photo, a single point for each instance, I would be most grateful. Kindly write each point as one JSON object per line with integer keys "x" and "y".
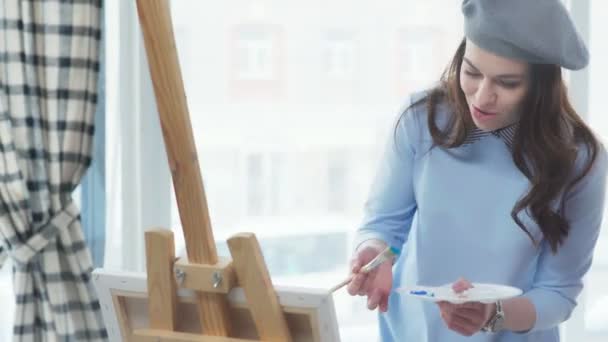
{"x": 472, "y": 305}
{"x": 357, "y": 280}
{"x": 368, "y": 283}
{"x": 376, "y": 284}
{"x": 361, "y": 282}
{"x": 472, "y": 317}
{"x": 355, "y": 285}
{"x": 460, "y": 325}
{"x": 461, "y": 285}
{"x": 384, "y": 303}
{"x": 465, "y": 319}
{"x": 374, "y": 299}
{"x": 366, "y": 286}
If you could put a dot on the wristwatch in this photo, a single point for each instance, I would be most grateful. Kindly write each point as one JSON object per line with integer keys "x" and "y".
{"x": 496, "y": 322}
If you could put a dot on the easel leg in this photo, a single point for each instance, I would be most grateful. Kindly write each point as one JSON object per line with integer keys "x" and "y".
{"x": 254, "y": 278}
{"x": 162, "y": 290}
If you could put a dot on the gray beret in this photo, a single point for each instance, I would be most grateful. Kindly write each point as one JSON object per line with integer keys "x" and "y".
{"x": 535, "y": 31}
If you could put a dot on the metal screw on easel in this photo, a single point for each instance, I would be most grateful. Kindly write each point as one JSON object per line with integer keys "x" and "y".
{"x": 217, "y": 279}
{"x": 180, "y": 275}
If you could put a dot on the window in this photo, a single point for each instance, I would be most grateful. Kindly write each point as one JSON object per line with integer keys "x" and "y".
{"x": 337, "y": 182}
{"x": 288, "y": 259}
{"x": 419, "y": 63}
{"x": 254, "y": 54}
{"x": 295, "y": 165}
{"x": 255, "y": 185}
{"x": 339, "y": 55}
{"x": 255, "y": 61}
{"x": 417, "y": 52}
{"x": 277, "y": 183}
{"x": 306, "y": 153}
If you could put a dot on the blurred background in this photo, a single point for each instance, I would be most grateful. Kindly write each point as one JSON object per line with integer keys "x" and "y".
{"x": 290, "y": 103}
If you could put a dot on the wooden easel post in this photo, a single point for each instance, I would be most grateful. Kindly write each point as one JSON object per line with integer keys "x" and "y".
{"x": 204, "y": 272}
{"x": 155, "y": 20}
{"x": 162, "y": 290}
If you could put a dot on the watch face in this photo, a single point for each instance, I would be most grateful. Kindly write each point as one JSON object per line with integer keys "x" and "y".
{"x": 498, "y": 323}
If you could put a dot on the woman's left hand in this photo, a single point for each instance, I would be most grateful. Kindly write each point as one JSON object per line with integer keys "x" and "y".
{"x": 467, "y": 318}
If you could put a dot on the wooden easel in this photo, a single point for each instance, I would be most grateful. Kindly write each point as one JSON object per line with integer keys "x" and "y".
{"x": 203, "y": 272}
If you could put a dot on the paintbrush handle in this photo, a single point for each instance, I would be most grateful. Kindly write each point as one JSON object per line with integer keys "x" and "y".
{"x": 341, "y": 284}
{"x": 370, "y": 266}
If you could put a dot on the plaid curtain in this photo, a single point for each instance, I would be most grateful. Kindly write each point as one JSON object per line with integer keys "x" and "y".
{"x": 49, "y": 63}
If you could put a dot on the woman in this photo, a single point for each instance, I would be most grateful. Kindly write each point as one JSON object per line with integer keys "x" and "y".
{"x": 490, "y": 177}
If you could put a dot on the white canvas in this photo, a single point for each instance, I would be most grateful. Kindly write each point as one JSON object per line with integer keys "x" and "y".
{"x": 108, "y": 283}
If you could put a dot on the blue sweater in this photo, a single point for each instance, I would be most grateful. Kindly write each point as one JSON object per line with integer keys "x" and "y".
{"x": 449, "y": 210}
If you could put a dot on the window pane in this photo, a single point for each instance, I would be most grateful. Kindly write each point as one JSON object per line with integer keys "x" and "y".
{"x": 290, "y": 105}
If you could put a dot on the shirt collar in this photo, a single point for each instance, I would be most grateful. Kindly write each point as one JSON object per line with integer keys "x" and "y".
{"x": 506, "y": 134}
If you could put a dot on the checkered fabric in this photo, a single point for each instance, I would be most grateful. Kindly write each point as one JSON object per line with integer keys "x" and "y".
{"x": 49, "y": 63}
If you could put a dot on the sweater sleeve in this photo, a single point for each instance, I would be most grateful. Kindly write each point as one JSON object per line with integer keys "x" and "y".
{"x": 391, "y": 204}
{"x": 558, "y": 279}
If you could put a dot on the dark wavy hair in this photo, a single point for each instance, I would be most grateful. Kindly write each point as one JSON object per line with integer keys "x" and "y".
{"x": 545, "y": 147}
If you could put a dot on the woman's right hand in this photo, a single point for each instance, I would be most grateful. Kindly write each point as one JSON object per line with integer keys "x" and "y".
{"x": 377, "y": 284}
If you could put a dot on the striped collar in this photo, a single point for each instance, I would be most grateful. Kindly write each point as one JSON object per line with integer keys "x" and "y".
{"x": 506, "y": 134}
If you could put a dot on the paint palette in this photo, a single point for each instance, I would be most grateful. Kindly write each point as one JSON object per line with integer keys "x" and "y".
{"x": 480, "y": 292}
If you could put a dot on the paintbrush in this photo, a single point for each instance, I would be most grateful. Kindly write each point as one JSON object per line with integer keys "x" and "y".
{"x": 385, "y": 255}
